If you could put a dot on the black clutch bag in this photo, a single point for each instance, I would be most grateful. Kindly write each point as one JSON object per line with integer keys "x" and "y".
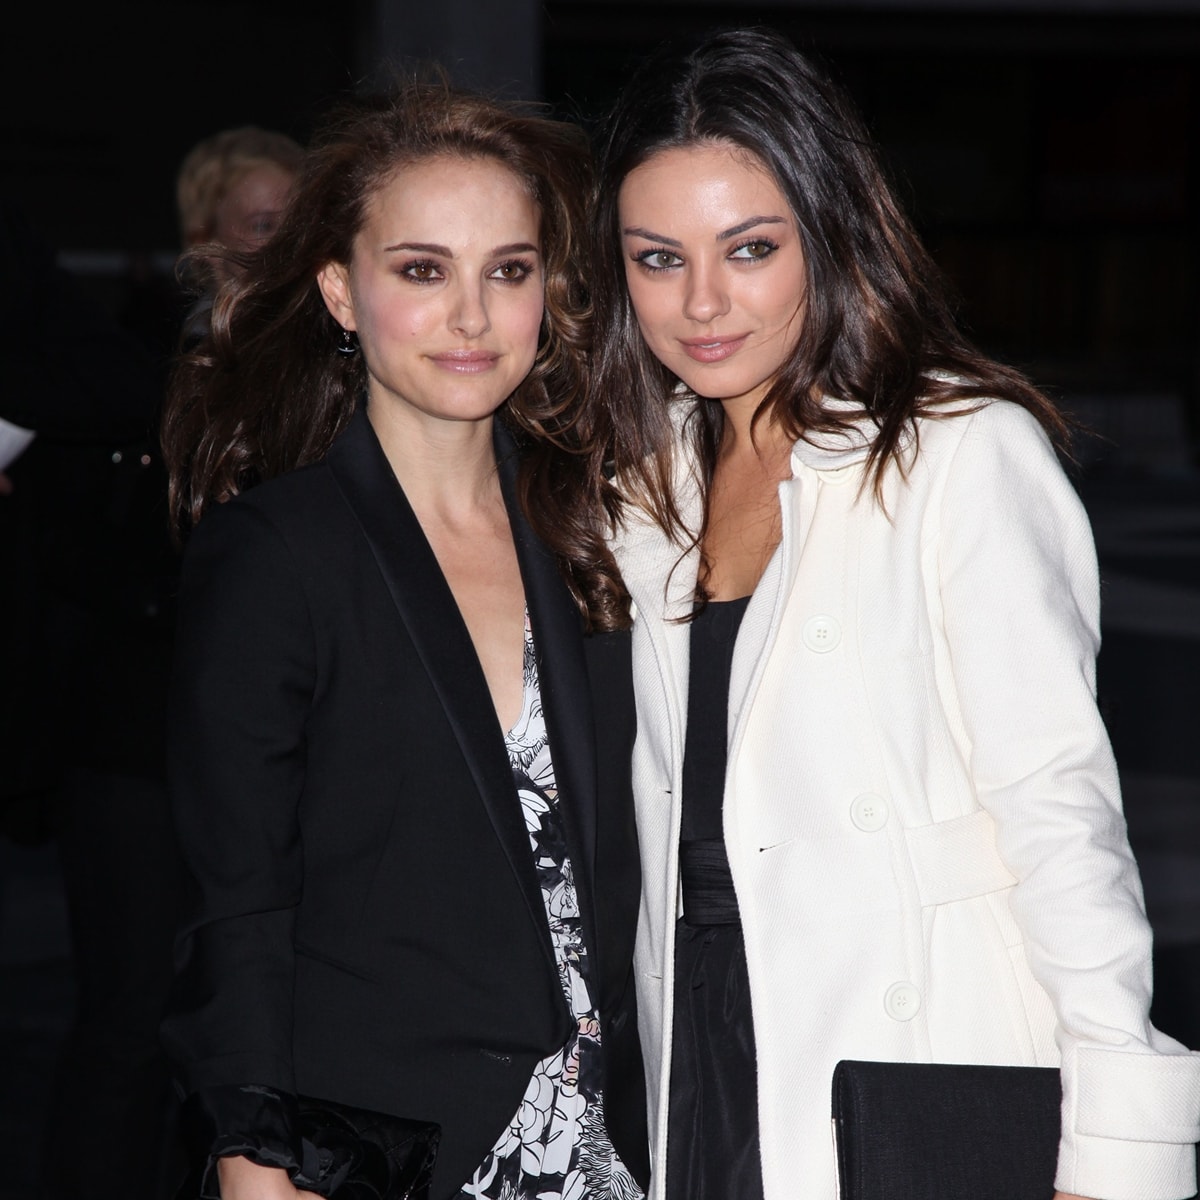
{"x": 352, "y": 1154}
{"x": 933, "y": 1131}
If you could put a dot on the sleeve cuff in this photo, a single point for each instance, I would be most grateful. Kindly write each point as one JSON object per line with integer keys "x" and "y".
{"x": 251, "y": 1120}
{"x": 1129, "y": 1123}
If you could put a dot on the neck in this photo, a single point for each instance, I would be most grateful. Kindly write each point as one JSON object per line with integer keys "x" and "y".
{"x": 446, "y": 468}
{"x": 764, "y": 441}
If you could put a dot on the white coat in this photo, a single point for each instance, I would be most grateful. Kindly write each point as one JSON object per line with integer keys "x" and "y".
{"x": 921, "y": 810}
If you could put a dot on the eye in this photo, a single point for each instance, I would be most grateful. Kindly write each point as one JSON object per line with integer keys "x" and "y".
{"x": 657, "y": 259}
{"x": 754, "y": 250}
{"x": 421, "y": 270}
{"x": 514, "y": 270}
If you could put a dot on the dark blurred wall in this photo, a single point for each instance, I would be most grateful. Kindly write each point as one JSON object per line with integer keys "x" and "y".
{"x": 101, "y": 102}
{"x": 1049, "y": 152}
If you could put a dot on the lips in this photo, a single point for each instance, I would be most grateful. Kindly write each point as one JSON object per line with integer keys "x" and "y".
{"x": 712, "y": 349}
{"x": 465, "y": 362}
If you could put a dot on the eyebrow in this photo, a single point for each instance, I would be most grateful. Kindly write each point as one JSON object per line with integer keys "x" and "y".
{"x": 446, "y": 252}
{"x": 723, "y": 236}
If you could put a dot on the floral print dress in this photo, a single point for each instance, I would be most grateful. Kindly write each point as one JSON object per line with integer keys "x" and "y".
{"x": 556, "y": 1145}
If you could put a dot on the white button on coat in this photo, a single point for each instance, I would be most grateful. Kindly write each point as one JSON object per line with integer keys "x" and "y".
{"x": 821, "y": 633}
{"x": 869, "y": 812}
{"x": 902, "y": 1002}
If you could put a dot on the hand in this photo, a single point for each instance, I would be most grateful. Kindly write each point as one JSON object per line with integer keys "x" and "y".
{"x": 6, "y": 485}
{"x": 242, "y": 1179}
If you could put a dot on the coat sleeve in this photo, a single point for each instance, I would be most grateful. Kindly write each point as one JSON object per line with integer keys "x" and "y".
{"x": 1020, "y": 600}
{"x": 242, "y": 687}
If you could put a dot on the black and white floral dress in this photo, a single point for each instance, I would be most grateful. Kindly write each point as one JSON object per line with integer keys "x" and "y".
{"x": 556, "y": 1145}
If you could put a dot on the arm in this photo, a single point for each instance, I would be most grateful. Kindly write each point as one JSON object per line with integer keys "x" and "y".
{"x": 242, "y": 684}
{"x": 1020, "y": 600}
{"x": 242, "y": 1179}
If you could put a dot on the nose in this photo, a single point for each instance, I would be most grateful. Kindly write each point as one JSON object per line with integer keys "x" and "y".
{"x": 705, "y": 296}
{"x": 469, "y": 314}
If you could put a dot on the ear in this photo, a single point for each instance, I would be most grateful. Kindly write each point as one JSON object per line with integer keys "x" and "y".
{"x": 334, "y": 281}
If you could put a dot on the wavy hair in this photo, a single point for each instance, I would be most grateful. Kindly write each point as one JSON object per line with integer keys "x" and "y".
{"x": 267, "y": 392}
{"x": 878, "y": 328}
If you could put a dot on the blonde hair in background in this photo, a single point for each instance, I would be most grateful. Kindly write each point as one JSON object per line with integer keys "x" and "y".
{"x": 216, "y": 163}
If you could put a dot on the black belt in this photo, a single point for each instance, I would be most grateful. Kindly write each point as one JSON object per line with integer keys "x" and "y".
{"x": 708, "y": 896}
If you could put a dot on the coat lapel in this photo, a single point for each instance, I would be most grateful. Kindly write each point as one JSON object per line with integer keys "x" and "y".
{"x": 563, "y": 680}
{"x": 661, "y": 579}
{"x": 427, "y": 607}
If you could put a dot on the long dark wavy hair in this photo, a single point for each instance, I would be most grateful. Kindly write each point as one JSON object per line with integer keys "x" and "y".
{"x": 266, "y": 391}
{"x": 878, "y": 329}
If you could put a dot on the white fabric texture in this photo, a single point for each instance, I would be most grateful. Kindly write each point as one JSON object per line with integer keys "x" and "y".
{"x": 922, "y": 811}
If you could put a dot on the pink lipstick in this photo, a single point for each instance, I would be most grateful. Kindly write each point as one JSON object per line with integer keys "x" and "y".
{"x": 465, "y": 362}
{"x": 712, "y": 349}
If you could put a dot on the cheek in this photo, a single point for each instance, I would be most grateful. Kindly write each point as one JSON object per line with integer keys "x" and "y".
{"x": 398, "y": 317}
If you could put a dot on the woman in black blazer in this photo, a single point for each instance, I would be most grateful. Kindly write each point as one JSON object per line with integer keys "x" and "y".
{"x": 397, "y": 905}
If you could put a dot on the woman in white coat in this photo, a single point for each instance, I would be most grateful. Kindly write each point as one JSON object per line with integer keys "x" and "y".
{"x": 879, "y": 815}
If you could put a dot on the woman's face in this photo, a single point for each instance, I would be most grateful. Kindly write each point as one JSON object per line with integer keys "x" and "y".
{"x": 444, "y": 288}
{"x": 715, "y": 268}
{"x": 250, "y": 211}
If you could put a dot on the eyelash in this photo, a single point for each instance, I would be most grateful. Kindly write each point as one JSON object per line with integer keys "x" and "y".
{"x": 417, "y": 264}
{"x": 770, "y": 245}
{"x": 522, "y": 264}
{"x": 643, "y": 257}
{"x": 525, "y": 266}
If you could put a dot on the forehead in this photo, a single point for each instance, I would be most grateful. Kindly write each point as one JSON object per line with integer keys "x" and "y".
{"x": 704, "y": 183}
{"x": 454, "y": 192}
{"x": 258, "y": 183}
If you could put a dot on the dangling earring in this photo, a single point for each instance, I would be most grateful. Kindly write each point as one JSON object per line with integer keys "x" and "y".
{"x": 347, "y": 343}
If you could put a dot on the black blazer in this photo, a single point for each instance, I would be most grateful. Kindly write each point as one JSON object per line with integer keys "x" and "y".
{"x": 367, "y": 925}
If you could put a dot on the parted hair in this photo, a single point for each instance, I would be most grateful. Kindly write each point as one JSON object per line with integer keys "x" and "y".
{"x": 878, "y": 329}
{"x": 267, "y": 392}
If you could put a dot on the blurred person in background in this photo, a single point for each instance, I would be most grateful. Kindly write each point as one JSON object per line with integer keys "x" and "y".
{"x": 106, "y": 573}
{"x": 231, "y": 191}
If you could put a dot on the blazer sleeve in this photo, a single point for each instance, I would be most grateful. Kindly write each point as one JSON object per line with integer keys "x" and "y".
{"x": 243, "y": 683}
{"x": 1020, "y": 598}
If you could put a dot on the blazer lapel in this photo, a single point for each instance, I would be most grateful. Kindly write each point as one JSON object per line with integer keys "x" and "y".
{"x": 427, "y": 607}
{"x": 562, "y": 676}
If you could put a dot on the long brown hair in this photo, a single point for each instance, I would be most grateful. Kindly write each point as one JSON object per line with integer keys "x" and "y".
{"x": 267, "y": 392}
{"x": 878, "y": 329}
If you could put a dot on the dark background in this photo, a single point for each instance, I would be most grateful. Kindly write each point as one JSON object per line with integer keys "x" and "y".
{"x": 1049, "y": 153}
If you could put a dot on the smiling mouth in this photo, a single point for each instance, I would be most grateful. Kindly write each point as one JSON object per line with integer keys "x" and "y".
{"x": 713, "y": 349}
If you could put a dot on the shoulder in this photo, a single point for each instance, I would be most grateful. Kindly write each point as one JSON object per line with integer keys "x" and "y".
{"x": 936, "y": 433}
{"x": 290, "y": 504}
{"x": 989, "y": 418}
{"x": 289, "y": 528}
{"x": 985, "y": 437}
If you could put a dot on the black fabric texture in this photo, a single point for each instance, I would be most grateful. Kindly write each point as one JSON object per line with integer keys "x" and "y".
{"x": 712, "y": 1135}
